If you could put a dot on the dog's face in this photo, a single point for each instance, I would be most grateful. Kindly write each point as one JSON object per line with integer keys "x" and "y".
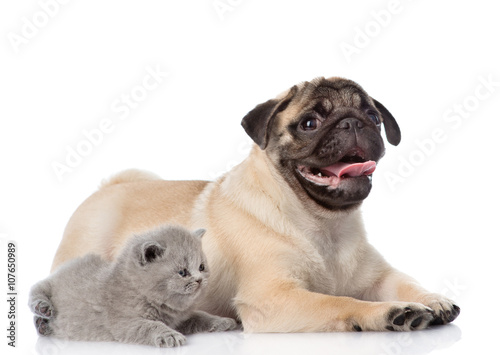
{"x": 324, "y": 137}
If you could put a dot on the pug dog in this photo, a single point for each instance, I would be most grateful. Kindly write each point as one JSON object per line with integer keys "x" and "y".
{"x": 285, "y": 238}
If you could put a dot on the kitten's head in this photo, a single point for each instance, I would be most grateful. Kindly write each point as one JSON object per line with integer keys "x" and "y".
{"x": 168, "y": 266}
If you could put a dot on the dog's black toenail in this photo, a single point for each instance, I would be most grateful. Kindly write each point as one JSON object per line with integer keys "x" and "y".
{"x": 357, "y": 328}
{"x": 390, "y": 328}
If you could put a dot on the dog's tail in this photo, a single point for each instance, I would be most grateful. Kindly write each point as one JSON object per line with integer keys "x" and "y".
{"x": 130, "y": 175}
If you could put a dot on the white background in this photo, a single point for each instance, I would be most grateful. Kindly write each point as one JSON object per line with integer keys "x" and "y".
{"x": 63, "y": 69}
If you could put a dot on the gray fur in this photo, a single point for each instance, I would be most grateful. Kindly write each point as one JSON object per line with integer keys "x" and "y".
{"x": 141, "y": 298}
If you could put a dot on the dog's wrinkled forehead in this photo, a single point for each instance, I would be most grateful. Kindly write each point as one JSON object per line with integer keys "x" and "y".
{"x": 336, "y": 96}
{"x": 327, "y": 94}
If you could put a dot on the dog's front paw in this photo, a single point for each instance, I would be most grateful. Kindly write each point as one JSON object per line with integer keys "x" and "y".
{"x": 412, "y": 316}
{"x": 222, "y": 324}
{"x": 169, "y": 339}
{"x": 393, "y": 316}
{"x": 445, "y": 310}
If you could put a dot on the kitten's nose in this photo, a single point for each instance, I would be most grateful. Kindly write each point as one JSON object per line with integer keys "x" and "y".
{"x": 199, "y": 281}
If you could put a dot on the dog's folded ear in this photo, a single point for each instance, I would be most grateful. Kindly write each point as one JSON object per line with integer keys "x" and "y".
{"x": 391, "y": 127}
{"x": 258, "y": 122}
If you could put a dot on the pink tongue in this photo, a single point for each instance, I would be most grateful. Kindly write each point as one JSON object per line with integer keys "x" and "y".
{"x": 351, "y": 169}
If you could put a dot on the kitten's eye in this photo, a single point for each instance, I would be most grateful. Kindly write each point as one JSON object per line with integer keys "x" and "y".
{"x": 202, "y": 267}
{"x": 183, "y": 273}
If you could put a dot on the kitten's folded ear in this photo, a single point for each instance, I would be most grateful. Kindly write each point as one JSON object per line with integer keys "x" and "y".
{"x": 199, "y": 233}
{"x": 149, "y": 251}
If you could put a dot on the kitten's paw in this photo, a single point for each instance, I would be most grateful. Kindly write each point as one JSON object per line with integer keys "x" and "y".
{"x": 169, "y": 340}
{"x": 42, "y": 326}
{"x": 43, "y": 308}
{"x": 445, "y": 310}
{"x": 222, "y": 324}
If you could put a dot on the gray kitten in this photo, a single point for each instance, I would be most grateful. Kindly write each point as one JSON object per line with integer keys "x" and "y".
{"x": 147, "y": 296}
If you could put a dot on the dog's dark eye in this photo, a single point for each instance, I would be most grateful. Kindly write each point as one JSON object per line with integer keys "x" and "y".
{"x": 310, "y": 124}
{"x": 183, "y": 272}
{"x": 202, "y": 267}
{"x": 374, "y": 118}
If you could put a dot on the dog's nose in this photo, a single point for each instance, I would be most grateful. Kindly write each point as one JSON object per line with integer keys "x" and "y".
{"x": 350, "y": 123}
